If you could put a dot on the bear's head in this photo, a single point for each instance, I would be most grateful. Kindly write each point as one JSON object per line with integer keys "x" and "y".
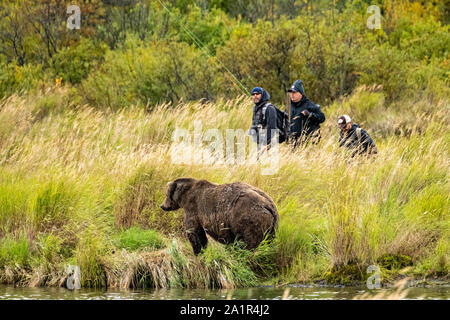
{"x": 175, "y": 191}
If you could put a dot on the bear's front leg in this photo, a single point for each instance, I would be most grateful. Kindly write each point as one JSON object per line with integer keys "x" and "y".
{"x": 196, "y": 235}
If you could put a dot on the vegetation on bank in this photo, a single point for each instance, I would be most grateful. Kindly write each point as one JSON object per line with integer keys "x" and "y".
{"x": 83, "y": 187}
{"x": 84, "y": 162}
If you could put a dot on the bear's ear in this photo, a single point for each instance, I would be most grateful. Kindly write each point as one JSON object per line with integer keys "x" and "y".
{"x": 181, "y": 186}
{"x": 171, "y": 187}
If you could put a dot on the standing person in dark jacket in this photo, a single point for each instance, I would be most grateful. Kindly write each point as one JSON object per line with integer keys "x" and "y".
{"x": 355, "y": 138}
{"x": 305, "y": 118}
{"x": 264, "y": 119}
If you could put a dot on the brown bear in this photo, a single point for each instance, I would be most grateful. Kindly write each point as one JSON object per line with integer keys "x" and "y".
{"x": 225, "y": 212}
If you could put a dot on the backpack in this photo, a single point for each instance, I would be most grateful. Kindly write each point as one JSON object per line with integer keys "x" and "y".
{"x": 359, "y": 134}
{"x": 372, "y": 149}
{"x": 282, "y": 121}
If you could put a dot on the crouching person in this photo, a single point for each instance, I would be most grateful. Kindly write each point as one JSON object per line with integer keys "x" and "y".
{"x": 354, "y": 138}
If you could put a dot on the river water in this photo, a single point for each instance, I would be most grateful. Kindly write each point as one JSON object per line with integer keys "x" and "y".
{"x": 259, "y": 293}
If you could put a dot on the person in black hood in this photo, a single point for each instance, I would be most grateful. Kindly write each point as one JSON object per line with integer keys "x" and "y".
{"x": 264, "y": 117}
{"x": 355, "y": 138}
{"x": 305, "y": 118}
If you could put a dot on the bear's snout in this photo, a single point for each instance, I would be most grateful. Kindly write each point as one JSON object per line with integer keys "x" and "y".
{"x": 169, "y": 206}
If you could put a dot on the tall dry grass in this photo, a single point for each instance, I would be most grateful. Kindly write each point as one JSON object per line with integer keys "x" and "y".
{"x": 72, "y": 178}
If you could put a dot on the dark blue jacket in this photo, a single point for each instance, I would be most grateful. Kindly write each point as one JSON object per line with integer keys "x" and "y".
{"x": 304, "y": 125}
{"x": 361, "y": 145}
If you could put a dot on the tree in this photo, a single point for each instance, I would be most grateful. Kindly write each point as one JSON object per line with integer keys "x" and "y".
{"x": 12, "y": 33}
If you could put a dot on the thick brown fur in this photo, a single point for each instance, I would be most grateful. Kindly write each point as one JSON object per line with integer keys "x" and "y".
{"x": 225, "y": 212}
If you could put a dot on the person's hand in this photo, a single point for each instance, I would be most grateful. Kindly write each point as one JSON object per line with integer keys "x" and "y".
{"x": 305, "y": 113}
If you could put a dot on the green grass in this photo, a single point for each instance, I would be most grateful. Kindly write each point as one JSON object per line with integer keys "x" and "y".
{"x": 14, "y": 252}
{"x": 136, "y": 238}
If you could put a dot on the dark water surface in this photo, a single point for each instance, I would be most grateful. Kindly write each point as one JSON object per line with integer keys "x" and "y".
{"x": 259, "y": 293}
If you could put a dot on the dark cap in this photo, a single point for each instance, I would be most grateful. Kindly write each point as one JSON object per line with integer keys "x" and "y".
{"x": 257, "y": 90}
{"x": 297, "y": 86}
{"x": 292, "y": 89}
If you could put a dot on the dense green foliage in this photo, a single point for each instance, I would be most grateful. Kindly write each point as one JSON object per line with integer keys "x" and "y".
{"x": 147, "y": 52}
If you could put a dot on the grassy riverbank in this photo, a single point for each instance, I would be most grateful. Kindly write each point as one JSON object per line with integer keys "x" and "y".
{"x": 82, "y": 187}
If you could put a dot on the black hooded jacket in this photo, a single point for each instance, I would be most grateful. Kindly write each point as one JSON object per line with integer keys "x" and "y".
{"x": 266, "y": 121}
{"x": 305, "y": 125}
{"x": 361, "y": 145}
